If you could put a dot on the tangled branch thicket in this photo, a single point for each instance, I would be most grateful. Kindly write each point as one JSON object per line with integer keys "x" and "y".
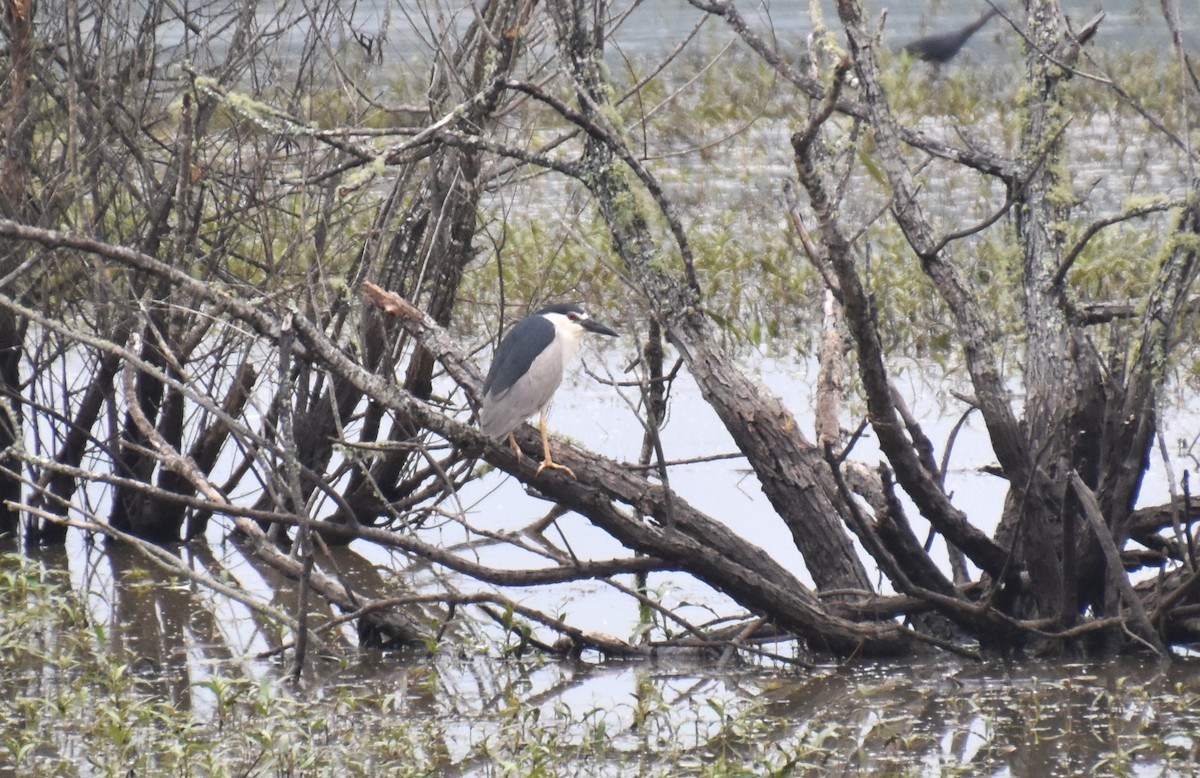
{"x": 235, "y": 245}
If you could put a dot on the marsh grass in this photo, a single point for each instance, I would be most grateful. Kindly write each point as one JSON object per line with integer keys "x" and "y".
{"x": 76, "y": 704}
{"x": 718, "y": 143}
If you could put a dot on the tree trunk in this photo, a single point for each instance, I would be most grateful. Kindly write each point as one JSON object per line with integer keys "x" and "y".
{"x": 16, "y": 138}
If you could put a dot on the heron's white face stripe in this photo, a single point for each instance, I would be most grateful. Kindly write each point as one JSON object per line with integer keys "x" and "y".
{"x": 567, "y": 331}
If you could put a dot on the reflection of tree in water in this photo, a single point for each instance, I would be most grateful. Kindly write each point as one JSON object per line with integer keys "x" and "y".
{"x": 470, "y": 711}
{"x": 150, "y": 612}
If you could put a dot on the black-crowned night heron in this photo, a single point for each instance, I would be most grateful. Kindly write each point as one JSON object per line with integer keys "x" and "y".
{"x": 941, "y": 47}
{"x": 527, "y": 369}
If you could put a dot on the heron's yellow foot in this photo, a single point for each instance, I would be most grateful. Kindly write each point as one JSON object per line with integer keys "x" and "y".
{"x": 549, "y": 463}
{"x": 512, "y": 441}
{"x": 547, "y": 460}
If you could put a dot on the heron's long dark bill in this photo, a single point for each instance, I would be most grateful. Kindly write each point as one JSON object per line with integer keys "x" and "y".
{"x": 594, "y": 326}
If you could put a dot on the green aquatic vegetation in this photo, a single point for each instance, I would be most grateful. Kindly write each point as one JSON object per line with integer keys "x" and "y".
{"x": 712, "y": 126}
{"x": 82, "y": 705}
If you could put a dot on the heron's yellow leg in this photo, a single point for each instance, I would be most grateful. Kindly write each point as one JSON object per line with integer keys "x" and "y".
{"x": 512, "y": 441}
{"x": 547, "y": 460}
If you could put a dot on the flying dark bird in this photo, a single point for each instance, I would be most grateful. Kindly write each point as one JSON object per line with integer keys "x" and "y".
{"x": 941, "y": 47}
{"x": 527, "y": 369}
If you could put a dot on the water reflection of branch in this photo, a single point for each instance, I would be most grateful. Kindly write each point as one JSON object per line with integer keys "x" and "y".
{"x": 163, "y": 558}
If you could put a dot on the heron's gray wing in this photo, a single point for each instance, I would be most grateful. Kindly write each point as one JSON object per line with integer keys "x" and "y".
{"x": 525, "y": 371}
{"x": 527, "y": 338}
{"x": 502, "y": 412}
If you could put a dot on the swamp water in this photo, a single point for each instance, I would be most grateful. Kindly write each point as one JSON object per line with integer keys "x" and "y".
{"x": 112, "y": 666}
{"x": 166, "y": 696}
